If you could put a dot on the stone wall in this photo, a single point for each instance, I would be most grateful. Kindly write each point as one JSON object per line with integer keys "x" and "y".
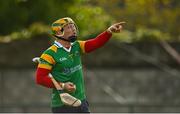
{"x": 120, "y": 77}
{"x": 19, "y": 54}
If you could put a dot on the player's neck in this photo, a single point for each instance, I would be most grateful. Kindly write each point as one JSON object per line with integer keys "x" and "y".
{"x": 65, "y": 43}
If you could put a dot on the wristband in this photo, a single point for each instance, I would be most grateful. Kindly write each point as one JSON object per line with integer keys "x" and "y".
{"x": 62, "y": 85}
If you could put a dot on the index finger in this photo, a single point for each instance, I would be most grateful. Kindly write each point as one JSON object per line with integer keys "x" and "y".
{"x": 120, "y": 23}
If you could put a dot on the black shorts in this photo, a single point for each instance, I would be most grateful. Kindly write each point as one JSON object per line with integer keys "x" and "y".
{"x": 84, "y": 108}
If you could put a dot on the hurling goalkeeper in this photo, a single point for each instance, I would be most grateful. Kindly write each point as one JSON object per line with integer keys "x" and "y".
{"x": 63, "y": 61}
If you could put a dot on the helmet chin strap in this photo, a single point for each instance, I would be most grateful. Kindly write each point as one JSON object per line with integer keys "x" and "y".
{"x": 70, "y": 39}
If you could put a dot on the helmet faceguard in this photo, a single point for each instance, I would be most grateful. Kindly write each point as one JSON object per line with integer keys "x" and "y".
{"x": 59, "y": 24}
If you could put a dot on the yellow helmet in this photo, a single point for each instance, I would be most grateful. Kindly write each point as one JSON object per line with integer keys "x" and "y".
{"x": 60, "y": 23}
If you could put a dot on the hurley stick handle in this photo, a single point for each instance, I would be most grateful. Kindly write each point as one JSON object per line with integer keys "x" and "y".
{"x": 56, "y": 84}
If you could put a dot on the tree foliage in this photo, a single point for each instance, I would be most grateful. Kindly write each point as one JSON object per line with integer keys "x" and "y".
{"x": 162, "y": 15}
{"x": 143, "y": 17}
{"x": 18, "y": 15}
{"x": 90, "y": 19}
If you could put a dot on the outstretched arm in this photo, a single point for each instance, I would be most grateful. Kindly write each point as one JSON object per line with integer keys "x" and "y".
{"x": 100, "y": 40}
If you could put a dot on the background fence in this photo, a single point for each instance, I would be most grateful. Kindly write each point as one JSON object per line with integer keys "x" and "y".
{"x": 108, "y": 90}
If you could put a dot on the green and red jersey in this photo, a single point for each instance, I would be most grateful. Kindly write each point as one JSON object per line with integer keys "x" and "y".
{"x": 65, "y": 65}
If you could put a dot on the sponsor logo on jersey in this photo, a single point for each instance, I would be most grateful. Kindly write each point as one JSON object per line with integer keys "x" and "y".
{"x": 72, "y": 69}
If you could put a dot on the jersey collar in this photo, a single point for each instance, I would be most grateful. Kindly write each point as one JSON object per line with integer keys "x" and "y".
{"x": 59, "y": 45}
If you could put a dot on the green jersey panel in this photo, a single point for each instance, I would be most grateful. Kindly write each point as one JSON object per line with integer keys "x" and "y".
{"x": 67, "y": 68}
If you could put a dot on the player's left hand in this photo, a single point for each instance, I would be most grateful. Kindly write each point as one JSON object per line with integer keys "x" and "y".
{"x": 115, "y": 28}
{"x": 70, "y": 87}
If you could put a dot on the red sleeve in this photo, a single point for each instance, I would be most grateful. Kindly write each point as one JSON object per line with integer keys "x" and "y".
{"x": 43, "y": 79}
{"x": 100, "y": 40}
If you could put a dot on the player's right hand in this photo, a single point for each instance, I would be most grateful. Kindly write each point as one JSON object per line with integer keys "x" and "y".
{"x": 116, "y": 28}
{"x": 69, "y": 87}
